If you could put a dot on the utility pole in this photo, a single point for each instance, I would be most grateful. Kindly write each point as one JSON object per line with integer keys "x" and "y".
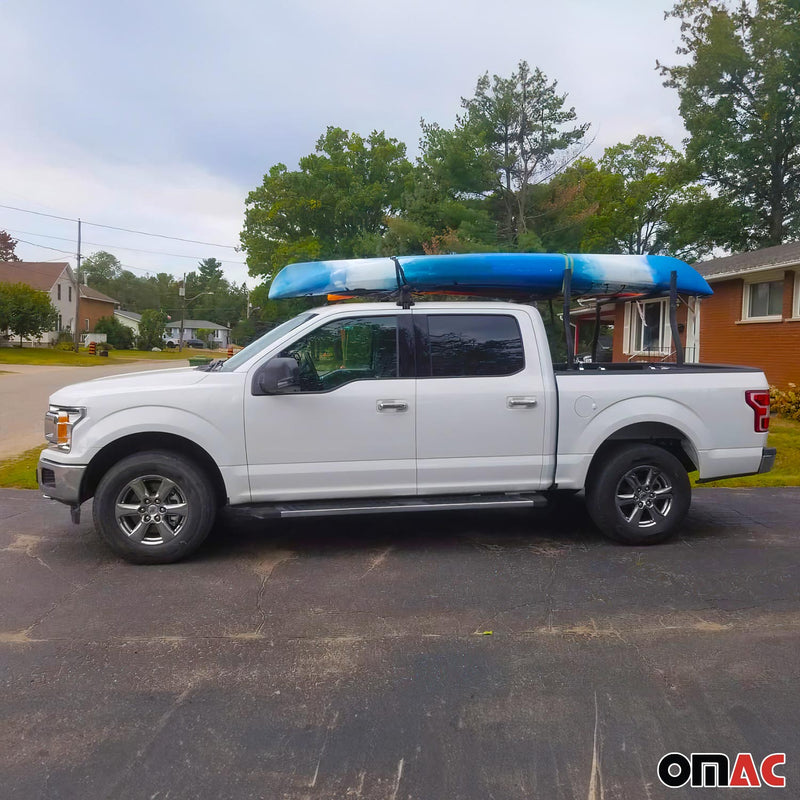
{"x": 76, "y": 334}
{"x": 182, "y": 293}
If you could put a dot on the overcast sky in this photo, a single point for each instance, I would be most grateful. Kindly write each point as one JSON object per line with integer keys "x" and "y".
{"x": 162, "y": 116}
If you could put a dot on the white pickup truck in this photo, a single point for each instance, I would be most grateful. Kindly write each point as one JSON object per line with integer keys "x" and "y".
{"x": 364, "y": 408}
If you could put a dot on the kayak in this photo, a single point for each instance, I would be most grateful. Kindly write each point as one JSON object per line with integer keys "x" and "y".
{"x": 538, "y": 275}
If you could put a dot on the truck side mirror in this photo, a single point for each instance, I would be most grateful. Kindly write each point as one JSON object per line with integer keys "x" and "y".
{"x": 277, "y": 376}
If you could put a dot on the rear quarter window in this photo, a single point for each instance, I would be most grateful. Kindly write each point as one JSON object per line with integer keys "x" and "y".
{"x": 472, "y": 345}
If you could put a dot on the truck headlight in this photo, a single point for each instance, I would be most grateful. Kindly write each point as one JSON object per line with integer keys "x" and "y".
{"x": 58, "y": 424}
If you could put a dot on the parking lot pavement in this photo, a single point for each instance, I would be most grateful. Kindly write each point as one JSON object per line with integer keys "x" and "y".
{"x": 491, "y": 655}
{"x": 25, "y": 389}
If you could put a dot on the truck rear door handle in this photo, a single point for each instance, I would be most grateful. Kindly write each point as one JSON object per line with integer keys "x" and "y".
{"x": 521, "y": 402}
{"x": 392, "y": 405}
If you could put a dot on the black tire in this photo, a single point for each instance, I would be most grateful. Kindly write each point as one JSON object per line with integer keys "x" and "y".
{"x": 638, "y": 494}
{"x": 146, "y": 532}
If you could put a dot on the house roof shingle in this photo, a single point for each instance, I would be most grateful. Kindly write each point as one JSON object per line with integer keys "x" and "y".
{"x": 765, "y": 258}
{"x": 40, "y": 275}
{"x": 93, "y": 294}
{"x": 121, "y": 312}
{"x": 197, "y": 323}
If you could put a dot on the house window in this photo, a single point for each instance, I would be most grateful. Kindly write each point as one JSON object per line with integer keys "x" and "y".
{"x": 69, "y": 294}
{"x": 87, "y": 324}
{"x": 58, "y": 291}
{"x": 763, "y": 300}
{"x": 58, "y": 324}
{"x": 647, "y": 323}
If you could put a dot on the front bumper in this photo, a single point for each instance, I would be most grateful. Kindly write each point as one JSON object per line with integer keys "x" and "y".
{"x": 60, "y": 482}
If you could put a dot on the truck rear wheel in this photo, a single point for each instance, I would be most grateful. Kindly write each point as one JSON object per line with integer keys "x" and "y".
{"x": 154, "y": 507}
{"x": 639, "y": 494}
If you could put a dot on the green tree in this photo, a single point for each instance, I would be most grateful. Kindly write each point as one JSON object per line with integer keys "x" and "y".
{"x": 101, "y": 269}
{"x": 117, "y": 334}
{"x": 7, "y": 245}
{"x": 205, "y": 335}
{"x": 334, "y": 206}
{"x": 740, "y": 101}
{"x": 151, "y": 329}
{"x": 645, "y": 200}
{"x": 528, "y": 135}
{"x": 26, "y": 312}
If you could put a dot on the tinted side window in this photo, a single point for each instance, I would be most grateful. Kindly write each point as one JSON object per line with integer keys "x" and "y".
{"x": 346, "y": 350}
{"x": 467, "y": 345}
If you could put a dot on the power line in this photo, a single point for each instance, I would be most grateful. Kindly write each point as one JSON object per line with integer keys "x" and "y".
{"x": 116, "y": 228}
{"x": 121, "y": 247}
{"x": 72, "y": 255}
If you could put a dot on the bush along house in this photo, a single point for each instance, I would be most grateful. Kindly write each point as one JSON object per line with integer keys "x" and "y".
{"x": 753, "y": 317}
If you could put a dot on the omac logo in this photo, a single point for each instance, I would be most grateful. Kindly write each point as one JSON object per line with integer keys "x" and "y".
{"x": 714, "y": 769}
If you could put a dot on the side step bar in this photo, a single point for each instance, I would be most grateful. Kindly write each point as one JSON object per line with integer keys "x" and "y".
{"x": 384, "y": 505}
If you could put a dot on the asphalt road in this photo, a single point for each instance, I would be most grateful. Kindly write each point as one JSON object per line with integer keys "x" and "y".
{"x": 25, "y": 389}
{"x": 350, "y": 659}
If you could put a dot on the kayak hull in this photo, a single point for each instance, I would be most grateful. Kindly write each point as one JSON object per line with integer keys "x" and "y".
{"x": 531, "y": 274}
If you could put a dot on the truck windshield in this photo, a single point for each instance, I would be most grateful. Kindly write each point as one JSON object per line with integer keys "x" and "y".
{"x": 254, "y": 348}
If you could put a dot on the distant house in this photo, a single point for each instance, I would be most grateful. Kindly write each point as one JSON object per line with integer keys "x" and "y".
{"x": 130, "y": 319}
{"x": 93, "y": 306}
{"x": 56, "y": 279}
{"x": 221, "y": 334}
{"x": 753, "y": 317}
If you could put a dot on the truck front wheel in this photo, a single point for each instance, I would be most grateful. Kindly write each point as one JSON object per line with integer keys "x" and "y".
{"x": 154, "y": 507}
{"x": 639, "y": 494}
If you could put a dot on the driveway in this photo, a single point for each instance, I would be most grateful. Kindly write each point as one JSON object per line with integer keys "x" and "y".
{"x": 504, "y": 655}
{"x": 25, "y": 389}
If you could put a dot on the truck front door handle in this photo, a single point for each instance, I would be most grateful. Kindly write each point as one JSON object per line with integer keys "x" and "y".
{"x": 521, "y": 402}
{"x": 392, "y": 405}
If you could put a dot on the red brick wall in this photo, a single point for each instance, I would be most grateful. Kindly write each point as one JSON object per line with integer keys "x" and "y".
{"x": 93, "y": 310}
{"x": 771, "y": 346}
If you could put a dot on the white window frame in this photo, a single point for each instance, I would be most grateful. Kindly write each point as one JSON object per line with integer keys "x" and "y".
{"x": 632, "y": 342}
{"x": 796, "y": 296}
{"x": 749, "y": 282}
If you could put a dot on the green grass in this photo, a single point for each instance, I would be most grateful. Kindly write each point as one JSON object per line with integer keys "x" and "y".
{"x": 20, "y": 472}
{"x": 785, "y": 435}
{"x": 47, "y": 356}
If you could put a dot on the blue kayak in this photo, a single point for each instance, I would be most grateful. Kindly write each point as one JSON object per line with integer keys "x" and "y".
{"x": 533, "y": 274}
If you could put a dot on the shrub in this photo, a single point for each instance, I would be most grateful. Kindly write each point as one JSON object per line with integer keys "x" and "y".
{"x": 785, "y": 402}
{"x": 118, "y": 335}
{"x": 65, "y": 346}
{"x": 104, "y": 347}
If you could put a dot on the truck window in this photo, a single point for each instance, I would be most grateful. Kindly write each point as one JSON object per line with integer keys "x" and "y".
{"x": 346, "y": 350}
{"x": 472, "y": 345}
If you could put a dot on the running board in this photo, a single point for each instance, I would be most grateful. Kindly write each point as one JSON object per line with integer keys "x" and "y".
{"x": 388, "y": 505}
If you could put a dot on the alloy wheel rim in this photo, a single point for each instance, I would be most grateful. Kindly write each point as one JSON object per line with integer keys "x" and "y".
{"x": 151, "y": 510}
{"x": 644, "y": 496}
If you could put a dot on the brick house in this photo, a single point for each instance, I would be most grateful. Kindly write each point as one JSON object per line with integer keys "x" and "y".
{"x": 93, "y": 306}
{"x": 753, "y": 317}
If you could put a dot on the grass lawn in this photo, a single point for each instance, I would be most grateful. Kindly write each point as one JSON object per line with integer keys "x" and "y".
{"x": 66, "y": 358}
{"x": 20, "y": 472}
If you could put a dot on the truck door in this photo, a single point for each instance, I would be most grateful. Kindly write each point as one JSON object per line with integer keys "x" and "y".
{"x": 481, "y": 404}
{"x": 350, "y": 430}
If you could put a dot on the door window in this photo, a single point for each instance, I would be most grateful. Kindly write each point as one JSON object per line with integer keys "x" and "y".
{"x": 346, "y": 350}
{"x": 472, "y": 345}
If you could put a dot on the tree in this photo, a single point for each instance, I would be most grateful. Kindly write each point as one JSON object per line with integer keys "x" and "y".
{"x": 7, "y": 245}
{"x": 101, "y": 269}
{"x": 205, "y": 335}
{"x": 646, "y": 201}
{"x": 26, "y": 312}
{"x": 527, "y": 134}
{"x": 740, "y": 101}
{"x": 334, "y": 206}
{"x": 117, "y": 334}
{"x": 152, "y": 326}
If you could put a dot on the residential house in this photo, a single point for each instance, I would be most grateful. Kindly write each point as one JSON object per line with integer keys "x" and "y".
{"x": 130, "y": 319}
{"x": 93, "y": 306}
{"x": 56, "y": 279}
{"x": 221, "y": 335}
{"x": 753, "y": 317}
